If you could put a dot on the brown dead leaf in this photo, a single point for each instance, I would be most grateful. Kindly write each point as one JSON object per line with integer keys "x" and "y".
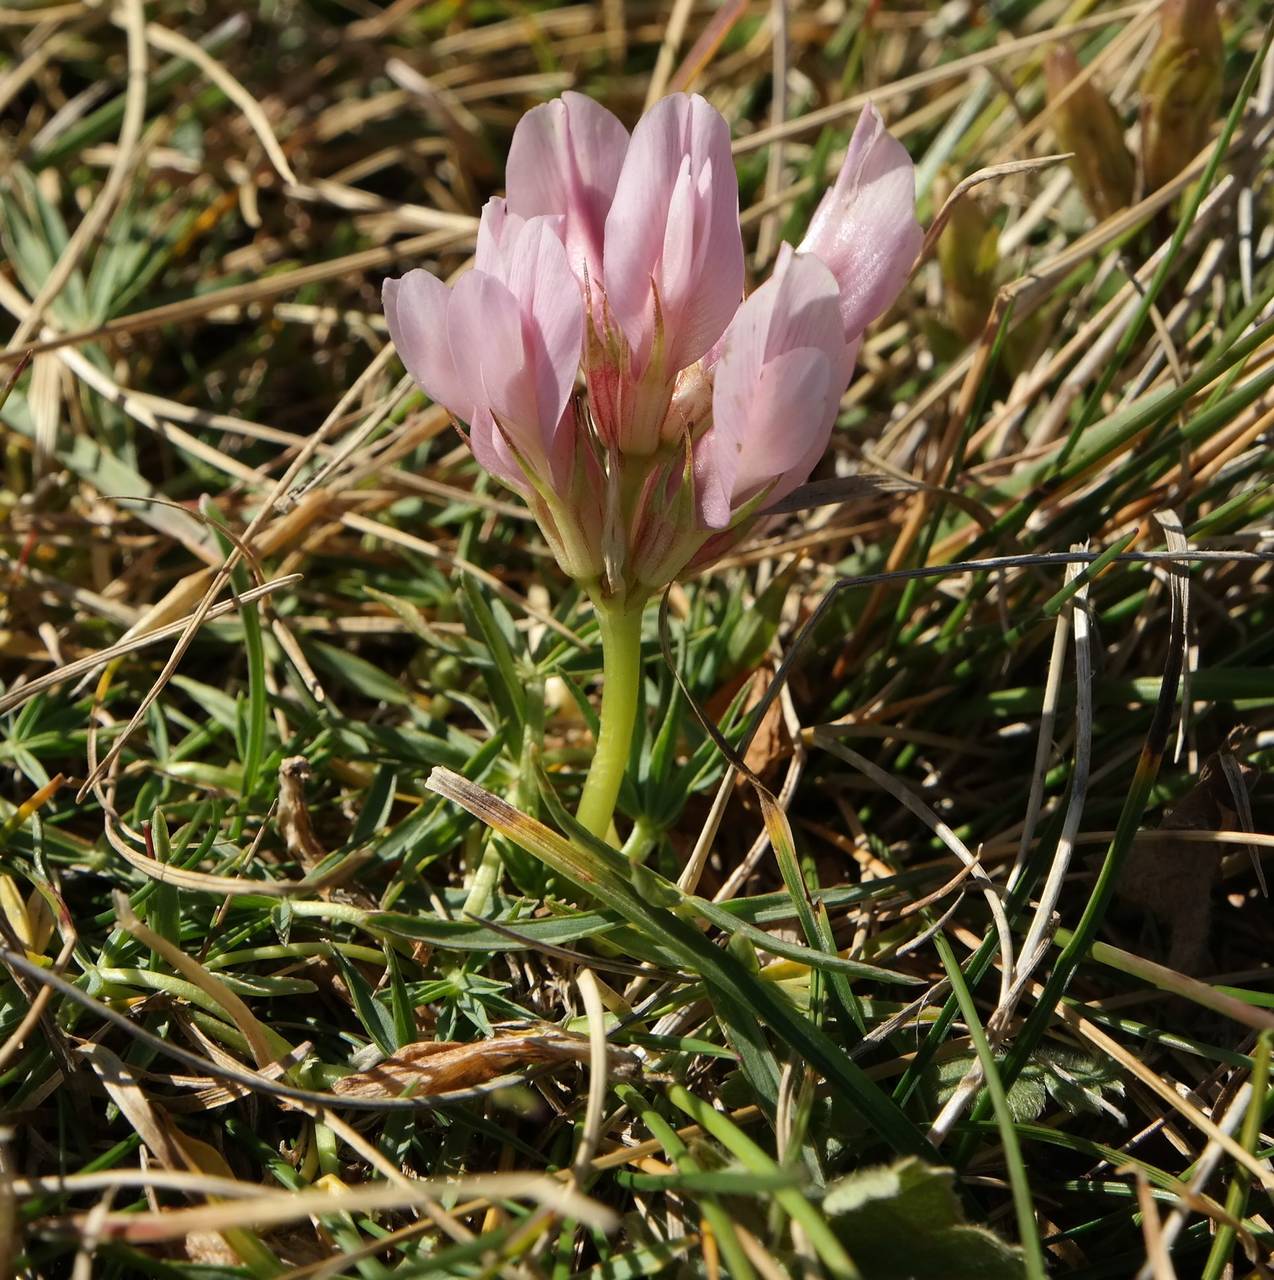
{"x": 1172, "y": 879}
{"x": 443, "y": 1066}
{"x": 297, "y": 829}
{"x": 770, "y": 743}
{"x": 171, "y": 1147}
{"x": 294, "y": 817}
{"x": 208, "y": 1249}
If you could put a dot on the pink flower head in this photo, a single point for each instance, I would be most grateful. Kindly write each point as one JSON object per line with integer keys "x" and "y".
{"x": 621, "y": 258}
{"x": 651, "y": 224}
{"x": 651, "y": 229}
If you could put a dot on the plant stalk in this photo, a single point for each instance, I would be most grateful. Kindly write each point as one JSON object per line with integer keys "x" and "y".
{"x": 621, "y": 683}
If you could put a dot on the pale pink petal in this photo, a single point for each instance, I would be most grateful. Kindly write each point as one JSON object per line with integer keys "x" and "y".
{"x": 416, "y": 310}
{"x": 784, "y": 394}
{"x": 466, "y": 348}
{"x": 790, "y": 396}
{"x": 489, "y": 349}
{"x": 714, "y": 479}
{"x": 562, "y": 455}
{"x": 817, "y": 443}
{"x": 552, "y": 308}
{"x": 497, "y": 230}
{"x": 865, "y": 227}
{"x": 800, "y": 296}
{"x": 782, "y": 369}
{"x": 674, "y": 223}
{"x": 718, "y": 266}
{"x": 676, "y": 263}
{"x": 637, "y": 225}
{"x": 565, "y": 159}
{"x": 493, "y": 453}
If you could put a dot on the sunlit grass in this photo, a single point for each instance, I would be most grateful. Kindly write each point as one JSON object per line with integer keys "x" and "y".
{"x": 263, "y": 621}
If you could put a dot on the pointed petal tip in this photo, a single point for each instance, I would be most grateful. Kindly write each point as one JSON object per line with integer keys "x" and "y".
{"x": 865, "y": 227}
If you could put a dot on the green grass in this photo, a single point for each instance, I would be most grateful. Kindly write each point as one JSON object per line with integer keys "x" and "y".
{"x": 207, "y": 946}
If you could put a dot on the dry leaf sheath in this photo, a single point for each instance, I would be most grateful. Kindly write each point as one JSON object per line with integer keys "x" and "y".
{"x": 443, "y": 1065}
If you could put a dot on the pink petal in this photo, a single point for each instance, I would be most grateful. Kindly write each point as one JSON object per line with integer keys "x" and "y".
{"x": 502, "y": 349}
{"x": 489, "y": 349}
{"x": 675, "y": 221}
{"x": 416, "y": 310}
{"x": 717, "y": 272}
{"x": 788, "y": 394}
{"x": 552, "y": 307}
{"x": 782, "y": 369}
{"x": 816, "y": 447}
{"x": 865, "y": 227}
{"x": 492, "y": 451}
{"x": 497, "y": 230}
{"x": 565, "y": 159}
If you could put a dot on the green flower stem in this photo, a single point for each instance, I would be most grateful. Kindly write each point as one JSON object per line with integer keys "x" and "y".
{"x": 621, "y": 682}
{"x": 641, "y": 839}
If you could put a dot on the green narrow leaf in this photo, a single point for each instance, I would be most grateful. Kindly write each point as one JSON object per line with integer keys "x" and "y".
{"x": 377, "y": 1021}
{"x": 378, "y": 803}
{"x": 593, "y": 869}
{"x": 503, "y": 682}
{"x": 400, "y": 1002}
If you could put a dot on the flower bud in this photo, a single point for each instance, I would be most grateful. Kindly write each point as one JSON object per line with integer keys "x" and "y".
{"x": 865, "y": 227}
{"x": 968, "y": 257}
{"x": 1181, "y": 89}
{"x": 1087, "y": 125}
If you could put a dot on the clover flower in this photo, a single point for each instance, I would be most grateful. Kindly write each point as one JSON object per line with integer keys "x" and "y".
{"x": 608, "y": 367}
{"x": 601, "y": 351}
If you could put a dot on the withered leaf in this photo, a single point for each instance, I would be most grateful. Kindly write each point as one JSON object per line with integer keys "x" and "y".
{"x": 443, "y": 1066}
{"x": 294, "y": 816}
{"x": 210, "y": 1250}
{"x": 770, "y": 742}
{"x": 1173, "y": 879}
